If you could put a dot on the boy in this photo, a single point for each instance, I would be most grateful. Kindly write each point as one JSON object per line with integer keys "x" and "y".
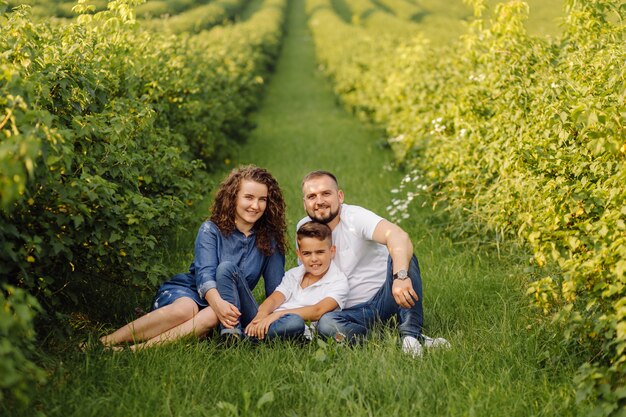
{"x": 306, "y": 292}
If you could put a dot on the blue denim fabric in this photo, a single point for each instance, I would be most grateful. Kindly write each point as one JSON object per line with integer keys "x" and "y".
{"x": 354, "y": 322}
{"x": 289, "y": 326}
{"x": 233, "y": 288}
{"x": 211, "y": 250}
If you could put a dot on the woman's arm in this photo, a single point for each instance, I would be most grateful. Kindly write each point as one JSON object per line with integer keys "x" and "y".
{"x": 227, "y": 313}
{"x": 206, "y": 258}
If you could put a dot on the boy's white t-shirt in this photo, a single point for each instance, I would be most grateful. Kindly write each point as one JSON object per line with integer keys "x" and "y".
{"x": 361, "y": 259}
{"x": 333, "y": 284}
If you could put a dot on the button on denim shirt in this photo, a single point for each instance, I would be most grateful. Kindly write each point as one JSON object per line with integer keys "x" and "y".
{"x": 213, "y": 248}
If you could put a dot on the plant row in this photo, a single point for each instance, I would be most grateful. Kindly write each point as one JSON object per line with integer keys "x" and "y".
{"x": 196, "y": 19}
{"x": 518, "y": 139}
{"x": 106, "y": 133}
{"x": 53, "y": 8}
{"x": 175, "y": 16}
{"x": 158, "y": 8}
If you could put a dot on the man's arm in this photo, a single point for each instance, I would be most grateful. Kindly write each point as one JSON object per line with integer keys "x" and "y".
{"x": 401, "y": 250}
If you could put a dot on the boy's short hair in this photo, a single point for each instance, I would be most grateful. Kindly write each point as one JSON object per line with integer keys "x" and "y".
{"x": 317, "y": 230}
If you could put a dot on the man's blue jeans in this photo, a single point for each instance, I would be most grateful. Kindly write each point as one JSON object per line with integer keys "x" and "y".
{"x": 234, "y": 288}
{"x": 353, "y": 323}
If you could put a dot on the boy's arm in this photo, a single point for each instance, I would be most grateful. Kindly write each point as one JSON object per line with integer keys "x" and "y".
{"x": 312, "y": 312}
{"x": 270, "y": 304}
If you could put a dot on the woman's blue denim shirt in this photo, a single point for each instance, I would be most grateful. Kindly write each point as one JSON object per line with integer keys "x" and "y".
{"x": 213, "y": 248}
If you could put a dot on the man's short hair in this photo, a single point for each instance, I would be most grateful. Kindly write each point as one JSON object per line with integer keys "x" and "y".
{"x": 316, "y": 230}
{"x": 317, "y": 174}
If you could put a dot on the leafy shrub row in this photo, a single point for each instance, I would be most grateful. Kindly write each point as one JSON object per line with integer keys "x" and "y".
{"x": 106, "y": 132}
{"x": 520, "y": 138}
{"x": 50, "y": 8}
{"x": 157, "y": 8}
{"x": 378, "y": 17}
{"x": 199, "y": 18}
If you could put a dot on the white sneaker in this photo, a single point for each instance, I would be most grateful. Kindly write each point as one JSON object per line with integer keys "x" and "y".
{"x": 309, "y": 330}
{"x": 436, "y": 343}
{"x": 411, "y": 346}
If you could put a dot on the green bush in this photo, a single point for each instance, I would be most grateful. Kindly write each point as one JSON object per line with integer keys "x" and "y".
{"x": 17, "y": 370}
{"x": 199, "y": 18}
{"x": 92, "y": 113}
{"x": 517, "y": 138}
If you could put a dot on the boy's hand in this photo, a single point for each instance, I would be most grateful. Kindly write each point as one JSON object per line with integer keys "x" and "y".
{"x": 259, "y": 328}
{"x": 252, "y": 325}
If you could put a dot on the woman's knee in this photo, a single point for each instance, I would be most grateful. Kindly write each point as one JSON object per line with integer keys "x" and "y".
{"x": 206, "y": 318}
{"x": 183, "y": 309}
{"x": 227, "y": 270}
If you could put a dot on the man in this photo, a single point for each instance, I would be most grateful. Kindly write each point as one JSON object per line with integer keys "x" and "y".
{"x": 377, "y": 257}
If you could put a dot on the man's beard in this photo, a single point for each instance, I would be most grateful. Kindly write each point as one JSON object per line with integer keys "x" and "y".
{"x": 331, "y": 216}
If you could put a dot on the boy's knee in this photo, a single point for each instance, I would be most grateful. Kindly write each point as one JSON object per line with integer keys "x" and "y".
{"x": 292, "y": 324}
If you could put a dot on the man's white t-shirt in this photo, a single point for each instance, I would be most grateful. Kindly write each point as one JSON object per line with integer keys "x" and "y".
{"x": 363, "y": 260}
{"x": 333, "y": 284}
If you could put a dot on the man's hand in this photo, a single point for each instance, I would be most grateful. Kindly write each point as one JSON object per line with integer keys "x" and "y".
{"x": 226, "y": 313}
{"x": 403, "y": 293}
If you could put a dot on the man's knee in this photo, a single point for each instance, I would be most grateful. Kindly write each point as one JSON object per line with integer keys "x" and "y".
{"x": 329, "y": 326}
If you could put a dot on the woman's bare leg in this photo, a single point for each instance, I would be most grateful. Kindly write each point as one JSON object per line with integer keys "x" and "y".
{"x": 154, "y": 323}
{"x": 199, "y": 325}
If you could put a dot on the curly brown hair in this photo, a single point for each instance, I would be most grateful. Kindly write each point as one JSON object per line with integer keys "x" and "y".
{"x": 271, "y": 227}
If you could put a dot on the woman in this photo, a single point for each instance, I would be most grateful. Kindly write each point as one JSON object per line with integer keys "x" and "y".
{"x": 245, "y": 235}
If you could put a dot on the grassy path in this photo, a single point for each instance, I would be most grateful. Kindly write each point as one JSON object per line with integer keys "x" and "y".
{"x": 497, "y": 367}
{"x": 500, "y": 364}
{"x": 301, "y": 127}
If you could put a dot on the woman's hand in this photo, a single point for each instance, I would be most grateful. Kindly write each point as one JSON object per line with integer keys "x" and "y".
{"x": 226, "y": 313}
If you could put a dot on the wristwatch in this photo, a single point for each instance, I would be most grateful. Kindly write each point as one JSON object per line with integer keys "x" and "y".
{"x": 401, "y": 275}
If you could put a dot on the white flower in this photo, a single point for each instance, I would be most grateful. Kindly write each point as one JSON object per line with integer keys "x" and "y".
{"x": 398, "y": 138}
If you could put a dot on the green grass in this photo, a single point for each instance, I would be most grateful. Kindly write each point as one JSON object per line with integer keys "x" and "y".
{"x": 504, "y": 361}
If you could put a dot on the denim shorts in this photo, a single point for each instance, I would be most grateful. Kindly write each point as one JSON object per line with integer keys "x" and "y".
{"x": 181, "y": 285}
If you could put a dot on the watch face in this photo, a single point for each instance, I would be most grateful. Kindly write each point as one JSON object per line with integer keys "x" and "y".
{"x": 401, "y": 274}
